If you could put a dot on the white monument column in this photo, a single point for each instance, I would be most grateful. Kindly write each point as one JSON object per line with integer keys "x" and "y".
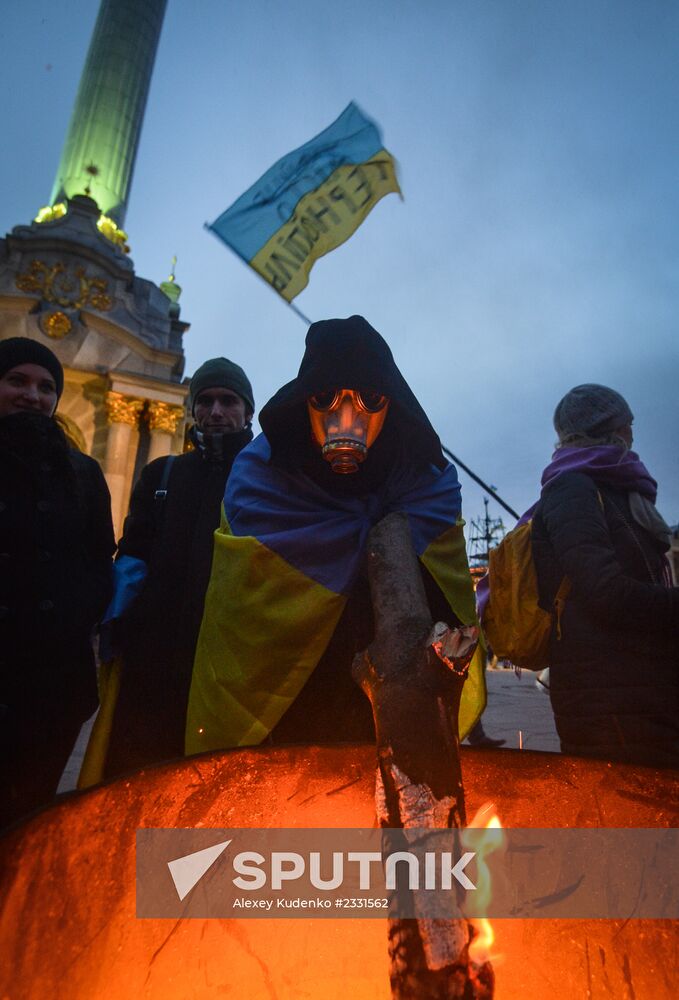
{"x": 123, "y": 414}
{"x": 164, "y": 419}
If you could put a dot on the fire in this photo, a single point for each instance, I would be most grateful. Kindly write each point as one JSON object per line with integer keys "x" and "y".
{"x": 486, "y": 818}
{"x": 68, "y": 924}
{"x": 481, "y": 947}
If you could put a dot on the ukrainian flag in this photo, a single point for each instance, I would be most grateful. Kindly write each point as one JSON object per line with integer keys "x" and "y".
{"x": 285, "y": 559}
{"x": 309, "y": 202}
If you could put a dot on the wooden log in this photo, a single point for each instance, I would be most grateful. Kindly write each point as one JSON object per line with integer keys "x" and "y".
{"x": 413, "y": 673}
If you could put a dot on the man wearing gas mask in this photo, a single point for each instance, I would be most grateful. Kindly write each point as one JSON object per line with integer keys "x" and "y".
{"x": 288, "y": 604}
{"x": 162, "y": 571}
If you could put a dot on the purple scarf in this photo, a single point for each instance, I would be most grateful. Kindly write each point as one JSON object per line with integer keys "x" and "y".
{"x": 608, "y": 464}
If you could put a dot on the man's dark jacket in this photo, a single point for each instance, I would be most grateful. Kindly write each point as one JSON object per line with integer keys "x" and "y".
{"x": 614, "y": 673}
{"x": 174, "y": 537}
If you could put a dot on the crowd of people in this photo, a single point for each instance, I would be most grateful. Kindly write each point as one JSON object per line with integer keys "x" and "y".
{"x": 239, "y": 594}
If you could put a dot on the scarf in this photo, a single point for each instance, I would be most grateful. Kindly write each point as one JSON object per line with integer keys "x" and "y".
{"x": 607, "y": 465}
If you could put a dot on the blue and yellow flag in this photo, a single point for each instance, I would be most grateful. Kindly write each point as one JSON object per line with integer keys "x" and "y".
{"x": 285, "y": 560}
{"x": 309, "y": 202}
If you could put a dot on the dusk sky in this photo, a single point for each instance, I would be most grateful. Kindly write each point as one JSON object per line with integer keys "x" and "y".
{"x": 537, "y": 246}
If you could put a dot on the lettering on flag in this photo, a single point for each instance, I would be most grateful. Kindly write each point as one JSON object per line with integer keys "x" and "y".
{"x": 310, "y": 202}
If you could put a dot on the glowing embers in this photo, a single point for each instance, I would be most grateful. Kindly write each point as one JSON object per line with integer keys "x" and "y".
{"x": 345, "y": 423}
{"x": 486, "y": 818}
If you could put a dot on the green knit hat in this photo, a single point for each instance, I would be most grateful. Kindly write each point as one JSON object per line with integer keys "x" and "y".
{"x": 223, "y": 374}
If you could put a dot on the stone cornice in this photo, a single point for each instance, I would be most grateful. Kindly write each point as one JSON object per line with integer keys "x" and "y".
{"x": 129, "y": 384}
{"x": 18, "y": 303}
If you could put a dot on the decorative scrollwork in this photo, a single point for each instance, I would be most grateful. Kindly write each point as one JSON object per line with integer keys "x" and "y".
{"x": 123, "y": 409}
{"x": 54, "y": 284}
{"x": 164, "y": 417}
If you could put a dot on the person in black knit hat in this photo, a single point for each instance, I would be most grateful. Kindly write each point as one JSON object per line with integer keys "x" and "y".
{"x": 56, "y": 544}
{"x": 163, "y": 561}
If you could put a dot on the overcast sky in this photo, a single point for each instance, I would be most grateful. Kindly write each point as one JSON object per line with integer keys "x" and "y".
{"x": 538, "y": 243}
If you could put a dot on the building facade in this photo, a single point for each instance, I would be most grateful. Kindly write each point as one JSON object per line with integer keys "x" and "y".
{"x": 66, "y": 278}
{"x": 118, "y": 336}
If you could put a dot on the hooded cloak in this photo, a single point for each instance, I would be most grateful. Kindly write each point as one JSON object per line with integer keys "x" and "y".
{"x": 289, "y": 554}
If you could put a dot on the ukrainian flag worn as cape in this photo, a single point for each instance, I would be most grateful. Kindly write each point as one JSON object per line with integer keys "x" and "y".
{"x": 285, "y": 559}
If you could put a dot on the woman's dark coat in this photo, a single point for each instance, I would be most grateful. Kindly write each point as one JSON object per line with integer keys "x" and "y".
{"x": 614, "y": 673}
{"x": 56, "y": 544}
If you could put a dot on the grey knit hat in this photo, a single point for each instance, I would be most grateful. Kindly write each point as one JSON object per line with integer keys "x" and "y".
{"x": 17, "y": 351}
{"x": 591, "y": 411}
{"x": 224, "y": 374}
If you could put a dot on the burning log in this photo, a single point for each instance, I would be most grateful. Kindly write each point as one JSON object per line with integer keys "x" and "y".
{"x": 413, "y": 673}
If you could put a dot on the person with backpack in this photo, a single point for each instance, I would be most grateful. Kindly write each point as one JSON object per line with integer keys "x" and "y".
{"x": 161, "y": 572}
{"x": 604, "y": 587}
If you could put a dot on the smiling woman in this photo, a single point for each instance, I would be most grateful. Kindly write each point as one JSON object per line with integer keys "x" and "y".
{"x": 56, "y": 542}
{"x": 28, "y": 388}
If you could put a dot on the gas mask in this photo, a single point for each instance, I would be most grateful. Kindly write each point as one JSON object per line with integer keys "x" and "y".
{"x": 344, "y": 423}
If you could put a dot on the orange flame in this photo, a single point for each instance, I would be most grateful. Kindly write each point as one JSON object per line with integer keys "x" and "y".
{"x": 480, "y": 949}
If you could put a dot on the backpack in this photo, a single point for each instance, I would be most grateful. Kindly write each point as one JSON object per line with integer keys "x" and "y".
{"x": 515, "y": 625}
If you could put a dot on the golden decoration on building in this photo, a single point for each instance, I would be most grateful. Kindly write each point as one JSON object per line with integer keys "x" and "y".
{"x": 164, "y": 417}
{"x": 54, "y": 284}
{"x": 56, "y": 325}
{"x": 50, "y": 213}
{"x": 108, "y": 228}
{"x": 105, "y": 224}
{"x": 123, "y": 409}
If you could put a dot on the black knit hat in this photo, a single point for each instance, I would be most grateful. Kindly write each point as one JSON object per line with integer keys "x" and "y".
{"x": 224, "y": 374}
{"x": 17, "y": 351}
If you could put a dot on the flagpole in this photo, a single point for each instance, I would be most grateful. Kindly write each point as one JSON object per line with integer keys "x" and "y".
{"x": 298, "y": 311}
{"x": 486, "y": 487}
{"x": 305, "y": 319}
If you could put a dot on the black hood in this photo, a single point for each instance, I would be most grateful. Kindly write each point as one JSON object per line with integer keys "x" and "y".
{"x": 350, "y": 354}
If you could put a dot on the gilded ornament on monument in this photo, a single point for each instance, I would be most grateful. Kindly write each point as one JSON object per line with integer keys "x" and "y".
{"x": 123, "y": 409}
{"x": 55, "y": 324}
{"x": 164, "y": 417}
{"x": 53, "y": 283}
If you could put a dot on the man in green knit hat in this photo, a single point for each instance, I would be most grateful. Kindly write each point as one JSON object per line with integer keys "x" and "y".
{"x": 162, "y": 571}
